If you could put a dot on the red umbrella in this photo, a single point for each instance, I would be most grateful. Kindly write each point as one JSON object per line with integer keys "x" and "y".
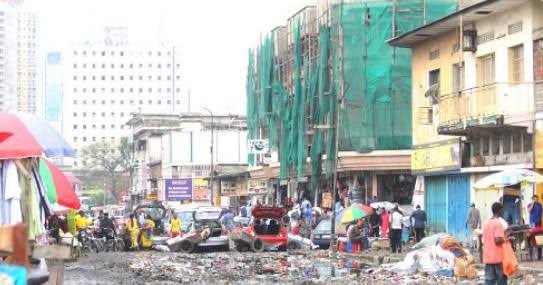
{"x": 364, "y": 208}
{"x": 65, "y": 193}
{"x": 20, "y": 143}
{"x": 73, "y": 180}
{"x": 4, "y": 136}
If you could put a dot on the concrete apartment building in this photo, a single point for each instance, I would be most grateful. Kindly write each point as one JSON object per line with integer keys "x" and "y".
{"x": 177, "y": 146}
{"x": 18, "y": 65}
{"x": 105, "y": 82}
{"x": 477, "y": 97}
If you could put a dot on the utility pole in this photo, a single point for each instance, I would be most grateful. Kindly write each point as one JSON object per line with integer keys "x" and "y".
{"x": 340, "y": 96}
{"x": 211, "y": 152}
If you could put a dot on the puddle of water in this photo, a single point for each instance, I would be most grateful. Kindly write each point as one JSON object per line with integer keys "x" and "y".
{"x": 327, "y": 269}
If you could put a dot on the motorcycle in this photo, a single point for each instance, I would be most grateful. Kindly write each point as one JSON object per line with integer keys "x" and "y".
{"x": 112, "y": 242}
{"x": 89, "y": 241}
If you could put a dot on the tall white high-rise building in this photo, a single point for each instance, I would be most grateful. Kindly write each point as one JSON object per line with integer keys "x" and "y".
{"x": 105, "y": 82}
{"x": 18, "y": 61}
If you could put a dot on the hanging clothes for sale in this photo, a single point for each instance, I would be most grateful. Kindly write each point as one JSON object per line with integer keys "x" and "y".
{"x": 11, "y": 194}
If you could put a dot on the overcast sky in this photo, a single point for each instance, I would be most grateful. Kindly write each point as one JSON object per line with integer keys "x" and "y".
{"x": 214, "y": 36}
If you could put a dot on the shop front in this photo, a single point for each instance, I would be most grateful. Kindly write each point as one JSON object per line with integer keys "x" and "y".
{"x": 446, "y": 190}
{"x": 233, "y": 192}
{"x": 259, "y": 191}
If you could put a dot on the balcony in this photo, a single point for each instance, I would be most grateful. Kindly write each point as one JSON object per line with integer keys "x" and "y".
{"x": 492, "y": 105}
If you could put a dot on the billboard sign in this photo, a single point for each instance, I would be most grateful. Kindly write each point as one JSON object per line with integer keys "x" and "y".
{"x": 436, "y": 157}
{"x": 178, "y": 189}
{"x": 200, "y": 191}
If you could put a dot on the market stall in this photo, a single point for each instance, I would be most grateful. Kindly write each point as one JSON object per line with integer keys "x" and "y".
{"x": 29, "y": 186}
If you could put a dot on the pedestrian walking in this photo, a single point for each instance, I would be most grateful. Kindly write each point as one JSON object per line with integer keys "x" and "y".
{"x": 396, "y": 230}
{"x": 308, "y": 213}
{"x": 385, "y": 223}
{"x": 133, "y": 231}
{"x": 375, "y": 220}
{"x": 418, "y": 221}
{"x": 493, "y": 239}
{"x": 474, "y": 222}
{"x": 536, "y": 210}
{"x": 175, "y": 226}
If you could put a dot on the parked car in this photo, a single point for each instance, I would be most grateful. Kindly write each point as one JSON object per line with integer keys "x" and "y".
{"x": 185, "y": 215}
{"x": 322, "y": 233}
{"x": 206, "y": 231}
{"x": 267, "y": 229}
{"x": 157, "y": 211}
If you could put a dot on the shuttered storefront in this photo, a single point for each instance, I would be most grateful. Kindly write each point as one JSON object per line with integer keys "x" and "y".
{"x": 447, "y": 203}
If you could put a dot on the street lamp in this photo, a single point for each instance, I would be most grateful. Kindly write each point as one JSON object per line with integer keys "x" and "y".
{"x": 211, "y": 152}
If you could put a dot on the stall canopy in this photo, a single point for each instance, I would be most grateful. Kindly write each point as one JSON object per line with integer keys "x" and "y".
{"x": 21, "y": 143}
{"x": 65, "y": 194}
{"x": 54, "y": 145}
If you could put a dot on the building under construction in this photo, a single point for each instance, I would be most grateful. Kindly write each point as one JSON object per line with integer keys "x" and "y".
{"x": 329, "y": 66}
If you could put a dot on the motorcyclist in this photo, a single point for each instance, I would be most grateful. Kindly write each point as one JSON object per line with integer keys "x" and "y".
{"x": 106, "y": 223}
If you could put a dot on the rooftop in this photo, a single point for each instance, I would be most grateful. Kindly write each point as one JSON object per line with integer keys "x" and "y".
{"x": 466, "y": 16}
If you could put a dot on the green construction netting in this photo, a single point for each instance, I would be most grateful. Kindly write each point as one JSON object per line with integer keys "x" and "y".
{"x": 353, "y": 60}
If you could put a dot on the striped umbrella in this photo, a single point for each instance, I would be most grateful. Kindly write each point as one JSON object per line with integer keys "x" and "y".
{"x": 365, "y": 208}
{"x": 57, "y": 186}
{"x": 352, "y": 214}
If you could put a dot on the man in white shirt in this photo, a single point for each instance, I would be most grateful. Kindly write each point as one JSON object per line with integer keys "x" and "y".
{"x": 396, "y": 230}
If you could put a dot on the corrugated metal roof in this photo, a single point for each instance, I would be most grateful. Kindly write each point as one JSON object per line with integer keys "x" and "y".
{"x": 467, "y": 15}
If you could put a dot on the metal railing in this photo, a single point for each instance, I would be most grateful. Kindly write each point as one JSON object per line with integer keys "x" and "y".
{"x": 488, "y": 100}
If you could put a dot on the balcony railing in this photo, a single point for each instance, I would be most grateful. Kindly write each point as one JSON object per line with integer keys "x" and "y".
{"x": 486, "y": 101}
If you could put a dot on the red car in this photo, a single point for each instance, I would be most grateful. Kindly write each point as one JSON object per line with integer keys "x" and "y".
{"x": 266, "y": 230}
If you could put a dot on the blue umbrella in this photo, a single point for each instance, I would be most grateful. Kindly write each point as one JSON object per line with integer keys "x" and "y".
{"x": 53, "y": 144}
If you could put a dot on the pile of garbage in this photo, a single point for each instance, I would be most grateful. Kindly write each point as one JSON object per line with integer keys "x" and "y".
{"x": 439, "y": 255}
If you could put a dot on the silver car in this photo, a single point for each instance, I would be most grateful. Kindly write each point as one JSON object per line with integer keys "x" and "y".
{"x": 207, "y": 231}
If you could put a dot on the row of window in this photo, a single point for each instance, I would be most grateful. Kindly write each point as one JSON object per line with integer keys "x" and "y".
{"x": 131, "y": 65}
{"x": 119, "y": 53}
{"x": 93, "y": 127}
{"x": 122, "y": 77}
{"x": 131, "y": 102}
{"x": 129, "y": 90}
{"x": 486, "y": 70}
{"x": 515, "y": 142}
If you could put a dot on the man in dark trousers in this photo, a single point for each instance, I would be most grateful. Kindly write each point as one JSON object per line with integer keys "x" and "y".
{"x": 375, "y": 219}
{"x": 418, "y": 220}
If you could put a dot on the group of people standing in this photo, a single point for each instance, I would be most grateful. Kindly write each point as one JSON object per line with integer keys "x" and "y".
{"x": 396, "y": 226}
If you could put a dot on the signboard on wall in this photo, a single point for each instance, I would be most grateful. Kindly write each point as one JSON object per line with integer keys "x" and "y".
{"x": 436, "y": 157}
{"x": 200, "y": 191}
{"x": 258, "y": 186}
{"x": 229, "y": 188}
{"x": 178, "y": 189}
{"x": 326, "y": 200}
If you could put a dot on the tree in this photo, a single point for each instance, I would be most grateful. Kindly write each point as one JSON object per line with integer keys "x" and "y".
{"x": 111, "y": 160}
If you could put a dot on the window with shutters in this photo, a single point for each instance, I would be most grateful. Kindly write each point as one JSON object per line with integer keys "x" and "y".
{"x": 516, "y": 64}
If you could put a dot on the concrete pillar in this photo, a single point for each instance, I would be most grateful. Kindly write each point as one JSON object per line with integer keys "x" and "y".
{"x": 373, "y": 185}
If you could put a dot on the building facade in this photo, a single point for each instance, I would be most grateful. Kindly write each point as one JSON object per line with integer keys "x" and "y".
{"x": 105, "y": 82}
{"x": 176, "y": 148}
{"x": 18, "y": 61}
{"x": 475, "y": 98}
{"x": 329, "y": 74}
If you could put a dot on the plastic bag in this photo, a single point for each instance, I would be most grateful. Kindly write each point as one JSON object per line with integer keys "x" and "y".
{"x": 510, "y": 263}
